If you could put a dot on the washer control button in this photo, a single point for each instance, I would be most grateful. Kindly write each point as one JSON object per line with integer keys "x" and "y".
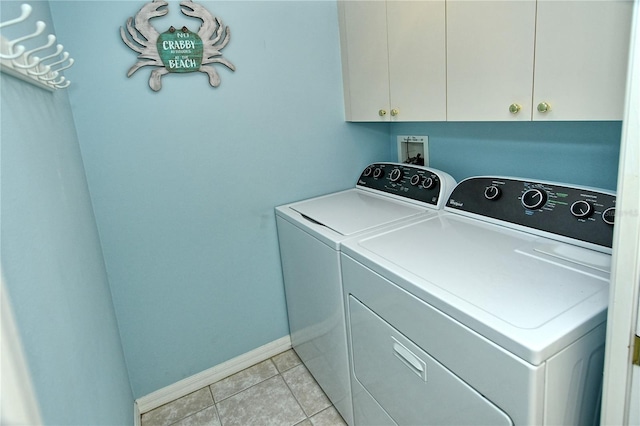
{"x": 533, "y": 199}
{"x": 492, "y": 192}
{"x": 581, "y": 209}
{"x": 378, "y": 173}
{"x": 415, "y": 180}
{"x": 396, "y": 175}
{"x": 368, "y": 171}
{"x": 608, "y": 216}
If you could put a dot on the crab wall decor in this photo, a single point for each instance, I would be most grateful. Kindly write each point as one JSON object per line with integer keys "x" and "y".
{"x": 177, "y": 50}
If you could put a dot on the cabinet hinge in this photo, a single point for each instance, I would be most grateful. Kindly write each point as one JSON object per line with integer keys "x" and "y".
{"x": 636, "y": 350}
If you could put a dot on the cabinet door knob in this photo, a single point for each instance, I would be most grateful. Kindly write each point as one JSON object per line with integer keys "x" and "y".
{"x": 544, "y": 107}
{"x": 514, "y": 108}
{"x": 382, "y": 113}
{"x": 395, "y": 112}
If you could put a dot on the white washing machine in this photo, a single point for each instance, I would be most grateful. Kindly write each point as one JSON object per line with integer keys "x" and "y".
{"x": 310, "y": 233}
{"x": 490, "y": 313}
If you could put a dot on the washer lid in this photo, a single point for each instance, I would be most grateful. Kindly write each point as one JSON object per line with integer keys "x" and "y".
{"x": 353, "y": 211}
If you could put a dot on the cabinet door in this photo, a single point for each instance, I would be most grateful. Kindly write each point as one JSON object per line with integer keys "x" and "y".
{"x": 581, "y": 59}
{"x": 365, "y": 70}
{"x": 490, "y": 46}
{"x": 417, "y": 60}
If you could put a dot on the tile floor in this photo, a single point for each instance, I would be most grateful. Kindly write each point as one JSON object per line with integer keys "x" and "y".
{"x": 279, "y": 391}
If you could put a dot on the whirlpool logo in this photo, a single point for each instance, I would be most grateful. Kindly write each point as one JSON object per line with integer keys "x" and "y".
{"x": 455, "y": 203}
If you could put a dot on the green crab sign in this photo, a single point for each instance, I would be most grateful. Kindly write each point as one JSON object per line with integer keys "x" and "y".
{"x": 176, "y": 50}
{"x": 180, "y": 51}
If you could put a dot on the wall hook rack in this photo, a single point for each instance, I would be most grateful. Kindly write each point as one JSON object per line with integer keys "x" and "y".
{"x": 18, "y": 62}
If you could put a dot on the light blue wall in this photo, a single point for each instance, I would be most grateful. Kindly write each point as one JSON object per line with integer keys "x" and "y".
{"x": 184, "y": 181}
{"x": 582, "y": 153}
{"x": 51, "y": 257}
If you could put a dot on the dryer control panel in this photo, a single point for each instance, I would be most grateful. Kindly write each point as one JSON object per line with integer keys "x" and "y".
{"x": 416, "y": 183}
{"x": 580, "y": 213}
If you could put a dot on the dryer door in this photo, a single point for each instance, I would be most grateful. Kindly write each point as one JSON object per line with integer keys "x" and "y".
{"x": 411, "y": 386}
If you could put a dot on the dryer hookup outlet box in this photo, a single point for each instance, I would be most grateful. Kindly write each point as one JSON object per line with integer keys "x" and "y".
{"x": 413, "y": 150}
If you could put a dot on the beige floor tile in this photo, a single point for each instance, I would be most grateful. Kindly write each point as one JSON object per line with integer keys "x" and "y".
{"x": 178, "y": 409}
{"x": 267, "y": 403}
{"x": 286, "y": 360}
{"x": 243, "y": 380}
{"x": 308, "y": 393}
{"x": 206, "y": 417}
{"x": 279, "y": 392}
{"x": 328, "y": 417}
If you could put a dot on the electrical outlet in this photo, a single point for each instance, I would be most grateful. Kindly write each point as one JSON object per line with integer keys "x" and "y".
{"x": 413, "y": 150}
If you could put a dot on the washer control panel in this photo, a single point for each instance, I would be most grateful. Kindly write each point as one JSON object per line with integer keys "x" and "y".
{"x": 407, "y": 181}
{"x": 580, "y": 213}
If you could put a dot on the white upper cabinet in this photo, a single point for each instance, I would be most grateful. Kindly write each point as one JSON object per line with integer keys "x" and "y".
{"x": 581, "y": 59}
{"x": 490, "y": 47}
{"x": 484, "y": 60}
{"x": 546, "y": 60}
{"x": 417, "y": 67}
{"x": 393, "y": 60}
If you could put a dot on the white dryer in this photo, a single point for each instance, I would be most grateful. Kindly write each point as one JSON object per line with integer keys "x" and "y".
{"x": 490, "y": 313}
{"x": 310, "y": 233}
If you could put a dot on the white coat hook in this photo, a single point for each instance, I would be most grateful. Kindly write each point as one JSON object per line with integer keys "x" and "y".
{"x": 56, "y": 83}
{"x": 62, "y": 86}
{"x": 14, "y": 55}
{"x": 40, "y": 26}
{"x": 56, "y": 72}
{"x": 47, "y": 68}
{"x": 26, "y": 11}
{"x": 26, "y": 65}
{"x": 39, "y": 70}
{"x": 51, "y": 38}
{"x": 50, "y": 76}
{"x": 69, "y": 65}
{"x": 65, "y": 56}
{"x": 37, "y": 60}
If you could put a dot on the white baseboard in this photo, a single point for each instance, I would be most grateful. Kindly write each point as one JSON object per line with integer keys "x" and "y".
{"x": 212, "y": 375}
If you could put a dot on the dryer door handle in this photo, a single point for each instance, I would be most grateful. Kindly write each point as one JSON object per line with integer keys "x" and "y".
{"x": 411, "y": 360}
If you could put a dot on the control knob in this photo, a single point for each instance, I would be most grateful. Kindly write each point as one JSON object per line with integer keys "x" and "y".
{"x": 415, "y": 180}
{"x": 492, "y": 192}
{"x": 608, "y": 216}
{"x": 378, "y": 173}
{"x": 368, "y": 171}
{"x": 581, "y": 209}
{"x": 428, "y": 183}
{"x": 533, "y": 199}
{"x": 396, "y": 175}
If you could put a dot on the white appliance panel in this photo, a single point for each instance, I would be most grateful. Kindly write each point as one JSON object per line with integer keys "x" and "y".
{"x": 533, "y": 316}
{"x": 310, "y": 234}
{"x": 485, "y": 366}
{"x": 353, "y": 211}
{"x": 572, "y": 385}
{"x": 513, "y": 312}
{"x": 413, "y": 386}
{"x": 317, "y": 328}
